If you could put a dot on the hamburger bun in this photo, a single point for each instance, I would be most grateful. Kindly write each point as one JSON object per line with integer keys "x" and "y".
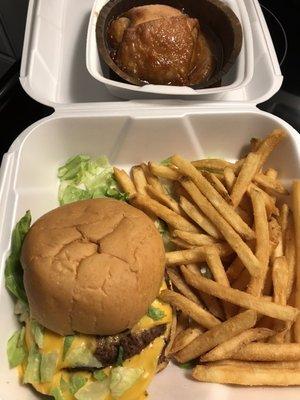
{"x": 92, "y": 267}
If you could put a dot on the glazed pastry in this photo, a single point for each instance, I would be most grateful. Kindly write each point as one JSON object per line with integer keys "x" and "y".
{"x": 159, "y": 44}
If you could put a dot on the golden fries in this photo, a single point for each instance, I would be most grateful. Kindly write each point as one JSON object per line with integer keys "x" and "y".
{"x": 183, "y": 288}
{"x": 234, "y": 240}
{"x": 268, "y": 145}
{"x": 235, "y": 265}
{"x": 269, "y": 352}
{"x": 163, "y": 212}
{"x": 196, "y": 215}
{"x": 163, "y": 198}
{"x": 139, "y": 179}
{"x": 215, "y": 265}
{"x": 227, "y": 349}
{"x": 296, "y": 213}
{"x": 269, "y": 183}
{"x": 284, "y": 313}
{"x": 125, "y": 182}
{"x": 262, "y": 251}
{"x": 249, "y": 376}
{"x": 196, "y": 239}
{"x": 193, "y": 310}
{"x": 184, "y": 338}
{"x": 213, "y": 164}
{"x": 244, "y": 178}
{"x": 217, "y": 335}
{"x": 194, "y": 255}
{"x": 213, "y": 197}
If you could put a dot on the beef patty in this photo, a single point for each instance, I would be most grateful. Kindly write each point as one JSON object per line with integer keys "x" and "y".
{"x": 127, "y": 344}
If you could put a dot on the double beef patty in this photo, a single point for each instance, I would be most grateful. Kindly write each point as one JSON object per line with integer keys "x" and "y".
{"x": 108, "y": 347}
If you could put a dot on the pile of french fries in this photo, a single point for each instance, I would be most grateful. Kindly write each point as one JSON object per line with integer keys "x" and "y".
{"x": 235, "y": 269}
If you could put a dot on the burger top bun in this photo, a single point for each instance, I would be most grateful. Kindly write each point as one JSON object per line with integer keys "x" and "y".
{"x": 92, "y": 266}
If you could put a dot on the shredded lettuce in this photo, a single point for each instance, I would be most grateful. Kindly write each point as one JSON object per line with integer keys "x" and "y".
{"x": 57, "y": 394}
{"x": 32, "y": 372}
{"x": 16, "y": 350}
{"x": 76, "y": 382}
{"x": 48, "y": 366}
{"x": 100, "y": 375}
{"x": 155, "y": 313}
{"x": 37, "y": 332}
{"x": 68, "y": 340}
{"x": 120, "y": 356}
{"x": 21, "y": 310}
{"x": 81, "y": 357}
{"x": 93, "y": 391}
{"x": 122, "y": 379}
{"x": 85, "y": 178}
{"x": 13, "y": 268}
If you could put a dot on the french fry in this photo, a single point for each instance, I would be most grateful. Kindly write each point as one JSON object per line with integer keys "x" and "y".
{"x": 163, "y": 198}
{"x": 269, "y": 183}
{"x": 218, "y": 185}
{"x": 230, "y": 178}
{"x": 194, "y": 255}
{"x": 269, "y": 201}
{"x": 296, "y": 214}
{"x": 255, "y": 144}
{"x": 184, "y": 338}
{"x": 183, "y": 288}
{"x": 272, "y": 173}
{"x": 151, "y": 179}
{"x": 268, "y": 145}
{"x": 215, "y": 265}
{"x": 259, "y": 364}
{"x": 182, "y": 322}
{"x": 280, "y": 280}
{"x": 172, "y": 334}
{"x": 226, "y": 210}
{"x": 139, "y": 179}
{"x": 213, "y": 164}
{"x": 269, "y": 352}
{"x": 283, "y": 221}
{"x": 234, "y": 240}
{"x": 181, "y": 243}
{"x": 249, "y": 376}
{"x": 262, "y": 251}
{"x": 242, "y": 281}
{"x": 290, "y": 254}
{"x": 244, "y": 178}
{"x": 193, "y": 310}
{"x": 274, "y": 233}
{"x": 242, "y": 299}
{"x": 196, "y": 239}
{"x": 235, "y": 269}
{"x": 217, "y": 335}
{"x": 231, "y": 346}
{"x": 211, "y": 303}
{"x": 125, "y": 182}
{"x": 162, "y": 171}
{"x": 169, "y": 216}
{"x": 196, "y": 215}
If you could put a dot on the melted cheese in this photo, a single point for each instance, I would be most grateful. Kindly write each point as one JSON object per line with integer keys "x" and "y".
{"x": 147, "y": 359}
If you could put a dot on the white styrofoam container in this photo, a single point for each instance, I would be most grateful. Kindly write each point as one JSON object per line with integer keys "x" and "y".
{"x": 239, "y": 75}
{"x": 88, "y": 119}
{"x": 128, "y": 137}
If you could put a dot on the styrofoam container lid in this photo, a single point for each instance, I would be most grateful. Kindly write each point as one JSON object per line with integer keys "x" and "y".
{"x": 239, "y": 75}
{"x": 54, "y": 71}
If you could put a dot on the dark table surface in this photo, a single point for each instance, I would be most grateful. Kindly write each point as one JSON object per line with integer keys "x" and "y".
{"x": 18, "y": 110}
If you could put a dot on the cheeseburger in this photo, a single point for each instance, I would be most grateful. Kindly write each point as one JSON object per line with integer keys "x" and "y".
{"x": 92, "y": 272}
